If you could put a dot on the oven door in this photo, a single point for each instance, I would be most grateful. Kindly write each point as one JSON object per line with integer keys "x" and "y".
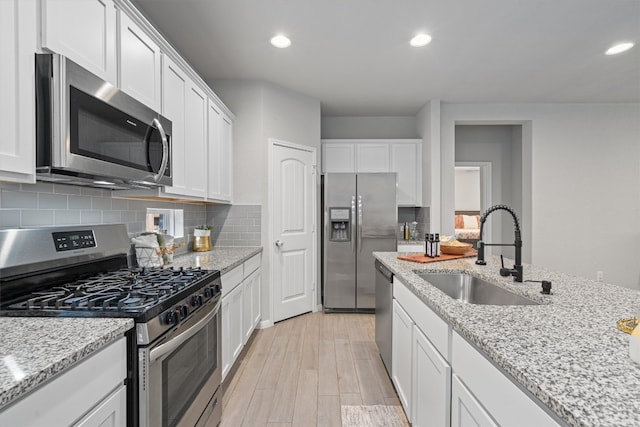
{"x": 179, "y": 377}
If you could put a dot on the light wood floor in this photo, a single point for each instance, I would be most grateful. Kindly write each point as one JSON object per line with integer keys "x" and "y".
{"x": 300, "y": 371}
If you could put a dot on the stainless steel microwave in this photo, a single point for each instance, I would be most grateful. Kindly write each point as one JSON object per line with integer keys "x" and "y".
{"x": 88, "y": 132}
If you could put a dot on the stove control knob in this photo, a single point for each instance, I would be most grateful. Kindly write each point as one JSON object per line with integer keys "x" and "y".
{"x": 183, "y": 310}
{"x": 196, "y": 300}
{"x": 217, "y": 288}
{"x": 172, "y": 317}
{"x": 207, "y": 292}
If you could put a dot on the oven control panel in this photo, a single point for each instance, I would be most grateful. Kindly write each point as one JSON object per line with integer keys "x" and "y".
{"x": 71, "y": 240}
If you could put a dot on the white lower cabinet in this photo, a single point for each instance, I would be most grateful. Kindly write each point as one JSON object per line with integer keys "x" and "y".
{"x": 92, "y": 393}
{"x": 110, "y": 413}
{"x": 232, "y": 334}
{"x": 431, "y": 383}
{"x": 251, "y": 306}
{"x": 240, "y": 309}
{"x": 401, "y": 343}
{"x": 421, "y": 375}
{"x": 466, "y": 411}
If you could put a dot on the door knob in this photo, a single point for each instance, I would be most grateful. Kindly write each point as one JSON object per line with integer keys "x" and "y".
{"x": 279, "y": 243}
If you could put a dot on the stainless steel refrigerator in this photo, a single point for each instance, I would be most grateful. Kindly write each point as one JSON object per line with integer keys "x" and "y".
{"x": 360, "y": 217}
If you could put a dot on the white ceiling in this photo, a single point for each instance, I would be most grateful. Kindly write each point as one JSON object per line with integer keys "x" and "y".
{"x": 354, "y": 57}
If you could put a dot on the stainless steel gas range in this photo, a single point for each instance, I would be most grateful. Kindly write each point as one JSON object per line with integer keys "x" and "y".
{"x": 174, "y": 353}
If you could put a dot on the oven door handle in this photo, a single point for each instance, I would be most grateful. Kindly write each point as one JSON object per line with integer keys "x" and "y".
{"x": 176, "y": 342}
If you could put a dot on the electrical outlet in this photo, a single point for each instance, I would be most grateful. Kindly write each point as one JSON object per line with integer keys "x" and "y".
{"x": 599, "y": 276}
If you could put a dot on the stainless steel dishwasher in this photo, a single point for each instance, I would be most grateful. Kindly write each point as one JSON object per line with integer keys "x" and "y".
{"x": 384, "y": 313}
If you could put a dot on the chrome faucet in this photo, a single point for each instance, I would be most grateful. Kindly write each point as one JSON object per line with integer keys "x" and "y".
{"x": 516, "y": 271}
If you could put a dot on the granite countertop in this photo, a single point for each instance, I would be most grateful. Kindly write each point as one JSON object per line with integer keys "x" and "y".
{"x": 219, "y": 258}
{"x": 566, "y": 351}
{"x": 35, "y": 349}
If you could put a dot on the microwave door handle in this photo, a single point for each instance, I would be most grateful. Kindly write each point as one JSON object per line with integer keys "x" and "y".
{"x": 176, "y": 342}
{"x": 165, "y": 151}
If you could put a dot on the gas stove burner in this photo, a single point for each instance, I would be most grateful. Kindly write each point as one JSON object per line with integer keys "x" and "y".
{"x": 128, "y": 290}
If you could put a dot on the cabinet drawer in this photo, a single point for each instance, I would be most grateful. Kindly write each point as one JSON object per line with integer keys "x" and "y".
{"x": 251, "y": 265}
{"x": 231, "y": 279}
{"x": 426, "y": 319}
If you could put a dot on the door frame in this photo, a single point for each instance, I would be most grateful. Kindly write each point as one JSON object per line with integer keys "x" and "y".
{"x": 485, "y": 192}
{"x": 273, "y": 142}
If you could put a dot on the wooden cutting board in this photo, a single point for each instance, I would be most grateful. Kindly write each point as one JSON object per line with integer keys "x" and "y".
{"x": 443, "y": 257}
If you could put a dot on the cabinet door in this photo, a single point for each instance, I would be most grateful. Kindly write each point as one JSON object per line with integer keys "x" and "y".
{"x": 431, "y": 383}
{"x": 232, "y": 330}
{"x": 214, "y": 118}
{"x": 174, "y": 88}
{"x": 256, "y": 309}
{"x": 83, "y": 31}
{"x": 140, "y": 64}
{"x": 219, "y": 146}
{"x": 466, "y": 411}
{"x": 338, "y": 157}
{"x": 251, "y": 313}
{"x": 401, "y": 355}
{"x": 195, "y": 141}
{"x": 247, "y": 301}
{"x": 405, "y": 161}
{"x": 226, "y": 159}
{"x": 372, "y": 157}
{"x": 112, "y": 412}
{"x": 17, "y": 103}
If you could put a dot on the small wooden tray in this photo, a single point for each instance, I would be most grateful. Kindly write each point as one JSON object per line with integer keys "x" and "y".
{"x": 443, "y": 257}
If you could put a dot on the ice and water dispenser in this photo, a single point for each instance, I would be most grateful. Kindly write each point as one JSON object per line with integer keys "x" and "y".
{"x": 340, "y": 224}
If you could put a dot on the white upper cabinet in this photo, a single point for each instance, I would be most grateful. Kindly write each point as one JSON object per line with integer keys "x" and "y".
{"x": 372, "y": 157}
{"x": 140, "y": 63}
{"x": 174, "y": 87}
{"x": 186, "y": 106}
{"x": 403, "y": 157}
{"x": 338, "y": 157}
{"x": 17, "y": 75}
{"x": 195, "y": 141}
{"x": 219, "y": 154}
{"x": 83, "y": 31}
{"x": 406, "y": 160}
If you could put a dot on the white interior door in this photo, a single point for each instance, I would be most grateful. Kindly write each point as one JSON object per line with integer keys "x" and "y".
{"x": 293, "y": 213}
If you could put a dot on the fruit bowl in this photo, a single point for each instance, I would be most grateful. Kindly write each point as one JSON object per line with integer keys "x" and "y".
{"x": 458, "y": 249}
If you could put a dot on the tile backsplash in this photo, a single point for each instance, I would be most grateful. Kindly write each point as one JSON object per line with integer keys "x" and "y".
{"x": 48, "y": 204}
{"x": 410, "y": 214}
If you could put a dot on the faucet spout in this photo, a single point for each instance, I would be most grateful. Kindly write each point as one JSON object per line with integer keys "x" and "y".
{"x": 516, "y": 271}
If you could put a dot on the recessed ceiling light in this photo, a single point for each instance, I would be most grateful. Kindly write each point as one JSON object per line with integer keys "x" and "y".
{"x": 280, "y": 41}
{"x": 619, "y": 48}
{"x": 420, "y": 40}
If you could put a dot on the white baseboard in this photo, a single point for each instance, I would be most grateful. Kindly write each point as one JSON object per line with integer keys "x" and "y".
{"x": 264, "y": 324}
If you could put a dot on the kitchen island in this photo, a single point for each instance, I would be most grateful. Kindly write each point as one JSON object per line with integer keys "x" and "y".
{"x": 34, "y": 350}
{"x": 566, "y": 352}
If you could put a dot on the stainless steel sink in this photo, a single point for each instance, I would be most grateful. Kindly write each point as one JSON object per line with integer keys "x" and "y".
{"x": 472, "y": 290}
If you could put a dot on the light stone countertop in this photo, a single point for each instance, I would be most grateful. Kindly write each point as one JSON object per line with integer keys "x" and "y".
{"x": 33, "y": 350}
{"x": 219, "y": 258}
{"x": 567, "y": 351}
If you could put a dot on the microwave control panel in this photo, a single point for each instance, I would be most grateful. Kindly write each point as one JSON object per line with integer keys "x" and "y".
{"x": 71, "y": 240}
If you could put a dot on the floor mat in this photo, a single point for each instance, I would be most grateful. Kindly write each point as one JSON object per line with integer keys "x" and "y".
{"x": 373, "y": 416}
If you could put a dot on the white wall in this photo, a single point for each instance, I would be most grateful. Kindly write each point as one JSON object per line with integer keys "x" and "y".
{"x": 584, "y": 186}
{"x": 264, "y": 110}
{"x": 389, "y": 127}
{"x": 467, "y": 189}
{"x": 428, "y": 125}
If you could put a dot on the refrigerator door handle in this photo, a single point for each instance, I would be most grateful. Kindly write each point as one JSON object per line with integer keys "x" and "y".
{"x": 360, "y": 223}
{"x": 353, "y": 216}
